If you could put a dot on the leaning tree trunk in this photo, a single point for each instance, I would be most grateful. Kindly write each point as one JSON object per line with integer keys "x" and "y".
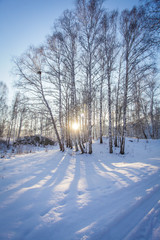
{"x": 51, "y": 115}
{"x": 55, "y": 128}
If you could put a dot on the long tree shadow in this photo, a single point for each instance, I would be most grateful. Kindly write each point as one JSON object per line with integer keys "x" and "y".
{"x": 60, "y": 198}
{"x": 35, "y": 180}
{"x": 70, "y": 196}
{"x": 62, "y": 192}
{"x": 111, "y": 204}
{"x": 119, "y": 176}
{"x": 127, "y": 173}
{"x": 37, "y": 166}
{"x": 34, "y": 193}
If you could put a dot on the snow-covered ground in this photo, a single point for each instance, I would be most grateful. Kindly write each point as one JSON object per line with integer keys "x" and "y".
{"x": 69, "y": 196}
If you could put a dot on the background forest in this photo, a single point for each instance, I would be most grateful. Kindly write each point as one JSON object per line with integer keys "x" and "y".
{"x": 96, "y": 75}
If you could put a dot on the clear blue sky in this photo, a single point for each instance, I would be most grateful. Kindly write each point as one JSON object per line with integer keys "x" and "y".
{"x": 27, "y": 22}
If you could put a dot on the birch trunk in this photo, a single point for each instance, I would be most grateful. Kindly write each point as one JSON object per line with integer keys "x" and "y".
{"x": 20, "y": 126}
{"x": 117, "y": 106}
{"x": 101, "y": 108}
{"x": 90, "y": 110}
{"x": 110, "y": 115}
{"x": 51, "y": 115}
{"x": 152, "y": 117}
{"x": 122, "y": 147}
{"x": 60, "y": 113}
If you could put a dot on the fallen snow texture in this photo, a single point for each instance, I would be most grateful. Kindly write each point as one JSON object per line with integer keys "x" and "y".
{"x": 59, "y": 196}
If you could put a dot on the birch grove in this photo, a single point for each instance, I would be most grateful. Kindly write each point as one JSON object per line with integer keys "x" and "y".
{"x": 95, "y": 75}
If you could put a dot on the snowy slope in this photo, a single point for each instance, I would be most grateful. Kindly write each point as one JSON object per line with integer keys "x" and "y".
{"x": 69, "y": 196}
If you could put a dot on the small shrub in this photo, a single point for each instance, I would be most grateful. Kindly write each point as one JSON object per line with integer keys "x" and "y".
{"x": 34, "y": 140}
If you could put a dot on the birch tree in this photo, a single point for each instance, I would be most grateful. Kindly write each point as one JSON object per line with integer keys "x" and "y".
{"x": 29, "y": 69}
{"x": 3, "y": 107}
{"x": 22, "y": 110}
{"x": 136, "y": 53}
{"x": 13, "y": 119}
{"x": 110, "y": 45}
{"x": 118, "y": 105}
{"x": 89, "y": 14}
{"x": 69, "y": 27}
{"x": 152, "y": 94}
{"x": 101, "y": 92}
{"x": 55, "y": 66}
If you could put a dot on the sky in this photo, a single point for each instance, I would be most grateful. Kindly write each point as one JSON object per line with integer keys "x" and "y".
{"x": 28, "y": 22}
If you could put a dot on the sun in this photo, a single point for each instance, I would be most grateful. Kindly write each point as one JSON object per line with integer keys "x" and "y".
{"x": 75, "y": 126}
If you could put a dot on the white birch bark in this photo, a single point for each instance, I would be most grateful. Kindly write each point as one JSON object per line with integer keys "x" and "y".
{"x": 110, "y": 114}
{"x": 101, "y": 109}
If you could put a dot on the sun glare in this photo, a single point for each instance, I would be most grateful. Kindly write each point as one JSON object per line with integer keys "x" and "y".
{"x": 75, "y": 126}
